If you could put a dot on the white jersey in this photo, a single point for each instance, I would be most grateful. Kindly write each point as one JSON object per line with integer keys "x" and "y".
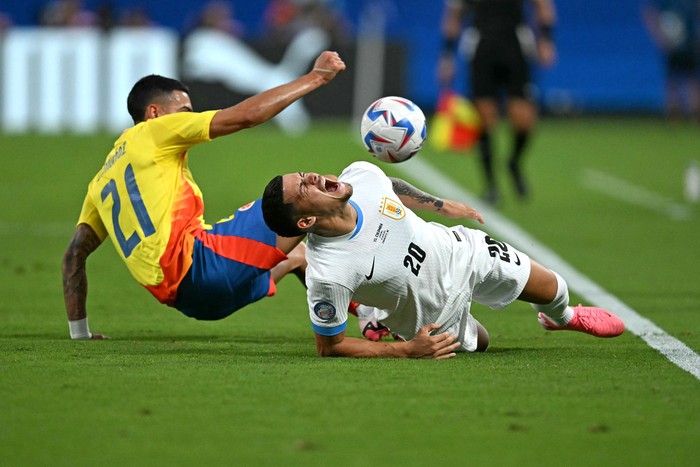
{"x": 415, "y": 272}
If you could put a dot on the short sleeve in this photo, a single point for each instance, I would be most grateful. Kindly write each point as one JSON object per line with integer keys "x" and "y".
{"x": 328, "y": 307}
{"x": 90, "y": 216}
{"x": 182, "y": 129}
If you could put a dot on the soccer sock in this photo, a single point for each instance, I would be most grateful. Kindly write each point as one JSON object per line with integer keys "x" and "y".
{"x": 487, "y": 158}
{"x": 520, "y": 139}
{"x": 365, "y": 312}
{"x": 519, "y": 143}
{"x": 558, "y": 310}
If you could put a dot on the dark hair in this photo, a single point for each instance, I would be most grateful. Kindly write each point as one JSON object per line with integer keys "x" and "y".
{"x": 278, "y": 215}
{"x": 146, "y": 90}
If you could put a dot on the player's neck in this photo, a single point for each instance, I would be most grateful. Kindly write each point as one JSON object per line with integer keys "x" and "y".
{"x": 342, "y": 223}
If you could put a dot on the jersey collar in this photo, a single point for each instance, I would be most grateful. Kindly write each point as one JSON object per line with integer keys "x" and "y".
{"x": 360, "y": 218}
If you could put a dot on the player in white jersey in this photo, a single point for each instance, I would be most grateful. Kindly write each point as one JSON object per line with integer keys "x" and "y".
{"x": 366, "y": 244}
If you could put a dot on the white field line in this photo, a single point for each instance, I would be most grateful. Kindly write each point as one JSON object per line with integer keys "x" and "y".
{"x": 632, "y": 194}
{"x": 673, "y": 349}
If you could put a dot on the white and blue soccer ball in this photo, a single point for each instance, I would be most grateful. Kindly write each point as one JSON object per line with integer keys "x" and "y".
{"x": 393, "y": 129}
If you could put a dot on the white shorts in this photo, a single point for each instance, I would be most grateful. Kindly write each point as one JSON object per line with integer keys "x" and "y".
{"x": 498, "y": 272}
{"x": 497, "y": 275}
{"x": 468, "y": 334}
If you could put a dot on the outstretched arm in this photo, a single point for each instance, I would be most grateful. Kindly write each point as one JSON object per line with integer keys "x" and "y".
{"x": 419, "y": 200}
{"x": 423, "y": 345}
{"x": 83, "y": 243}
{"x": 262, "y": 107}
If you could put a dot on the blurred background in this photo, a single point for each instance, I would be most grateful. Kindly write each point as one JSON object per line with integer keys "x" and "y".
{"x": 59, "y": 57}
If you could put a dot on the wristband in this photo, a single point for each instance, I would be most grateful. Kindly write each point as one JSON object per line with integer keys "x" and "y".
{"x": 547, "y": 32}
{"x": 79, "y": 329}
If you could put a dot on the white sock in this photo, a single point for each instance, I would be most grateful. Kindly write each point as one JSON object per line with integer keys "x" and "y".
{"x": 365, "y": 312}
{"x": 558, "y": 310}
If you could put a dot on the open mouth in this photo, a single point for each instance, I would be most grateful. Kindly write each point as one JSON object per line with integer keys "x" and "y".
{"x": 331, "y": 186}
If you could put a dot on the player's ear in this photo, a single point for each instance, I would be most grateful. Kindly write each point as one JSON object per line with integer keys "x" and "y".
{"x": 152, "y": 111}
{"x": 305, "y": 223}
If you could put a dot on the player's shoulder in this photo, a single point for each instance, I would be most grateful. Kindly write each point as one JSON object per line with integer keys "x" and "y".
{"x": 188, "y": 127}
{"x": 360, "y": 167}
{"x": 176, "y": 118}
{"x": 179, "y": 120}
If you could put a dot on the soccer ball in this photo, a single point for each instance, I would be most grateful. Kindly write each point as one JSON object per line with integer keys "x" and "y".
{"x": 393, "y": 129}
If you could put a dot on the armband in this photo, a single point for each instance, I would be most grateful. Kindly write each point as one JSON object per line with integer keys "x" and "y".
{"x": 546, "y": 32}
{"x": 79, "y": 329}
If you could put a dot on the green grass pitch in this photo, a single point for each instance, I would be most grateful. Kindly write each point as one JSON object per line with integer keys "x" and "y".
{"x": 249, "y": 390}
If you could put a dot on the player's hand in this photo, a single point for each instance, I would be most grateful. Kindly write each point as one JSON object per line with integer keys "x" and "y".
{"x": 328, "y": 64}
{"x": 439, "y": 346}
{"x": 456, "y": 210}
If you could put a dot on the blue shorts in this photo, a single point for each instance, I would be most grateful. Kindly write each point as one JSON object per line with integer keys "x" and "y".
{"x": 230, "y": 266}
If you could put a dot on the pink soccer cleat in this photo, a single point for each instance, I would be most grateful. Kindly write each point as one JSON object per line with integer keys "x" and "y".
{"x": 373, "y": 330}
{"x": 591, "y": 320}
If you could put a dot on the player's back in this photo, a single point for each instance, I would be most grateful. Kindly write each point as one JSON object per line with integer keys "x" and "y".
{"x": 145, "y": 197}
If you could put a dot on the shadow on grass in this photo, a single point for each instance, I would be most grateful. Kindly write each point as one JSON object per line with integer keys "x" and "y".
{"x": 255, "y": 346}
{"x": 183, "y": 347}
{"x": 203, "y": 338}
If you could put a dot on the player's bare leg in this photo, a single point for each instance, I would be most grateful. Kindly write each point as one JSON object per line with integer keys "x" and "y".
{"x": 541, "y": 287}
{"x": 549, "y": 295}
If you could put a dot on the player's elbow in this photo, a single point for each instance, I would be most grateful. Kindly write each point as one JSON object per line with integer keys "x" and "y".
{"x": 325, "y": 351}
{"x": 330, "y": 346}
{"x": 325, "y": 347}
{"x": 72, "y": 257}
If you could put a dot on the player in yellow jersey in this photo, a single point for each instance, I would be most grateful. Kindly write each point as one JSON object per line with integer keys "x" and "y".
{"x": 145, "y": 199}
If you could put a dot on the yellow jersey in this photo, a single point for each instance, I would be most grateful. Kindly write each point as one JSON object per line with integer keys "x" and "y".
{"x": 145, "y": 199}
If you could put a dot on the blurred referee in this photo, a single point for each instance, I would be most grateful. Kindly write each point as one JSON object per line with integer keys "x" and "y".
{"x": 500, "y": 44}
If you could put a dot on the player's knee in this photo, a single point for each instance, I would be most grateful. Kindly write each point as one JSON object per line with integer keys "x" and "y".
{"x": 482, "y": 339}
{"x": 522, "y": 114}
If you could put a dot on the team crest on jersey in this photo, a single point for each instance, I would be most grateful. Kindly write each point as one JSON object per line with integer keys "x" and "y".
{"x": 392, "y": 209}
{"x": 325, "y": 311}
{"x": 245, "y": 207}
